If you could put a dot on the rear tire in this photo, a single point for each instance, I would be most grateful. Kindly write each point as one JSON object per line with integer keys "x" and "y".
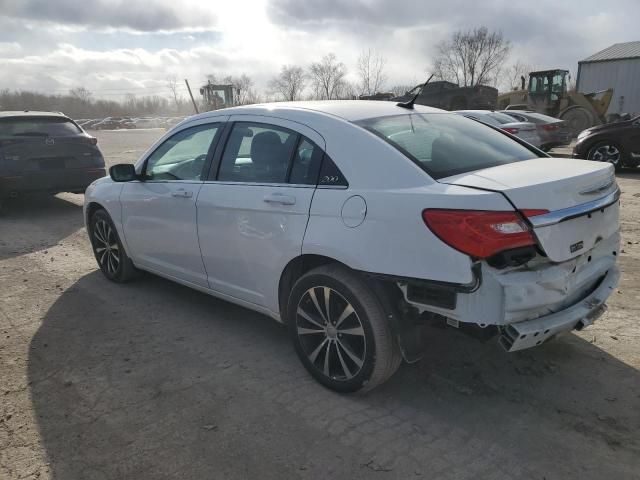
{"x": 112, "y": 259}
{"x": 340, "y": 331}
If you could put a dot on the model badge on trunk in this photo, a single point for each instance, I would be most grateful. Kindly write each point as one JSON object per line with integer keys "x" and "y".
{"x": 49, "y": 141}
{"x": 576, "y": 246}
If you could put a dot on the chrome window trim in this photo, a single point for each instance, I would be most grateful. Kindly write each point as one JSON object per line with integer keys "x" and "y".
{"x": 565, "y": 214}
{"x": 259, "y": 184}
{"x": 264, "y": 184}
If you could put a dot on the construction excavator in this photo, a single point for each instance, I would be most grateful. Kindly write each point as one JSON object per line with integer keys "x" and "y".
{"x": 548, "y": 94}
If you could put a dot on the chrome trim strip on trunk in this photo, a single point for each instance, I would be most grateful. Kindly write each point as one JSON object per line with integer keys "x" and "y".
{"x": 565, "y": 214}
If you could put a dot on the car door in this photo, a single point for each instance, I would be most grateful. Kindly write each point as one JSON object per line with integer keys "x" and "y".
{"x": 253, "y": 213}
{"x": 633, "y": 148}
{"x": 159, "y": 212}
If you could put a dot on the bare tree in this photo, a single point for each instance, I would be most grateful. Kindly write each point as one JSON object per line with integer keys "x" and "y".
{"x": 371, "y": 71}
{"x": 81, "y": 93}
{"x": 399, "y": 90}
{"x": 471, "y": 57}
{"x": 172, "y": 84}
{"x": 244, "y": 92}
{"x": 327, "y": 77}
{"x": 513, "y": 74}
{"x": 289, "y": 83}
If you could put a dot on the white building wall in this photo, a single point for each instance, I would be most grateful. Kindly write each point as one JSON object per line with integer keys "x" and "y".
{"x": 622, "y": 75}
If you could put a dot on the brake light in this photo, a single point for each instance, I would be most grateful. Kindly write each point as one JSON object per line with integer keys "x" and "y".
{"x": 479, "y": 233}
{"x": 511, "y": 130}
{"x": 550, "y": 127}
{"x": 93, "y": 140}
{"x": 533, "y": 212}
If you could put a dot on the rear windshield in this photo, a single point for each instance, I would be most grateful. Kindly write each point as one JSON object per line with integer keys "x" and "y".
{"x": 37, "y": 126}
{"x": 445, "y": 144}
{"x": 501, "y": 117}
{"x": 536, "y": 117}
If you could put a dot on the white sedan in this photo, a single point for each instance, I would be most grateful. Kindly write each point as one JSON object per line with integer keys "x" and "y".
{"x": 356, "y": 222}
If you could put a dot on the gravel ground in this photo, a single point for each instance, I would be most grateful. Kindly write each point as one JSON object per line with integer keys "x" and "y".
{"x": 153, "y": 380}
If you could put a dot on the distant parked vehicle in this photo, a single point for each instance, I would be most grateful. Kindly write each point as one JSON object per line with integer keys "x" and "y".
{"x": 617, "y": 143}
{"x": 89, "y": 124}
{"x": 46, "y": 152}
{"x": 526, "y": 131}
{"x": 109, "y": 123}
{"x": 553, "y": 131}
{"x": 450, "y": 96}
{"x": 127, "y": 123}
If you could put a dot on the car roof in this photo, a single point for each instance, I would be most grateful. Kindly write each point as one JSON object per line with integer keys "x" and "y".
{"x": 539, "y": 116}
{"x": 31, "y": 113}
{"x": 481, "y": 112}
{"x": 350, "y": 110}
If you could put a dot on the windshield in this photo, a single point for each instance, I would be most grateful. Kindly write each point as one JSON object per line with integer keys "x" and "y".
{"x": 445, "y": 144}
{"x": 37, "y": 127}
{"x": 500, "y": 117}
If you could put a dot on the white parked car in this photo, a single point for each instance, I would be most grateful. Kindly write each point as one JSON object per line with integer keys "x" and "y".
{"x": 354, "y": 221}
{"x": 526, "y": 131}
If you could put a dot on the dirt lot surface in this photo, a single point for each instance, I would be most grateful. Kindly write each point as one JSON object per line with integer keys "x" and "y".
{"x": 152, "y": 380}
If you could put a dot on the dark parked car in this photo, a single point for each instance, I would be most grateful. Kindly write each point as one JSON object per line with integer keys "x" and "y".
{"x": 617, "y": 143}
{"x": 553, "y": 132}
{"x": 46, "y": 152}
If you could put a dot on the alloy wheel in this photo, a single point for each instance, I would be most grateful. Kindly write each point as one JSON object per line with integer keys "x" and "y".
{"x": 106, "y": 247}
{"x": 331, "y": 333}
{"x": 606, "y": 153}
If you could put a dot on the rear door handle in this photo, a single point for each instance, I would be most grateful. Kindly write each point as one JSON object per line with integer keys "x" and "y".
{"x": 280, "y": 198}
{"x": 182, "y": 193}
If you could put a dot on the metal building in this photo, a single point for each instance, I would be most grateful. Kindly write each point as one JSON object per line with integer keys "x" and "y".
{"x": 616, "y": 67}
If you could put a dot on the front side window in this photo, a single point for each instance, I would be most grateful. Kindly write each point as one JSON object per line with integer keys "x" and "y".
{"x": 257, "y": 153}
{"x": 38, "y": 127}
{"x": 445, "y": 144}
{"x": 183, "y": 156}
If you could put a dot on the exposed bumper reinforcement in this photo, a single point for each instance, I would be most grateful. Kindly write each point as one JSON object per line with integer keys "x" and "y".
{"x": 531, "y": 333}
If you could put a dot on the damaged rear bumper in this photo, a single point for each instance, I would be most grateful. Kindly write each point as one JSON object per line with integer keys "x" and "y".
{"x": 531, "y": 333}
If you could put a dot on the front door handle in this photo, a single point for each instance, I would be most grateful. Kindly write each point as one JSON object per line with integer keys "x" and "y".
{"x": 182, "y": 193}
{"x": 280, "y": 198}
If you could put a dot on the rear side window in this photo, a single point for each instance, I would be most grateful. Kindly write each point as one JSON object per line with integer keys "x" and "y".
{"x": 306, "y": 163}
{"x": 38, "y": 127}
{"x": 445, "y": 144}
{"x": 257, "y": 153}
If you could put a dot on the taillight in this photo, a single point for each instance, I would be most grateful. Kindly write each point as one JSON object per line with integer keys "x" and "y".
{"x": 93, "y": 140}
{"x": 479, "y": 233}
{"x": 550, "y": 127}
{"x": 511, "y": 130}
{"x": 533, "y": 212}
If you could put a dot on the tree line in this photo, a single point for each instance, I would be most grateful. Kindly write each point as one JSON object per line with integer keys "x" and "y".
{"x": 468, "y": 58}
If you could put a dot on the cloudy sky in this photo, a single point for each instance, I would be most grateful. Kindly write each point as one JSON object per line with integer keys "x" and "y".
{"x": 115, "y": 46}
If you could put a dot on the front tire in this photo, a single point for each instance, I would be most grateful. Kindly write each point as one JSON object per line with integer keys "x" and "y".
{"x": 607, "y": 151}
{"x": 112, "y": 259}
{"x": 340, "y": 331}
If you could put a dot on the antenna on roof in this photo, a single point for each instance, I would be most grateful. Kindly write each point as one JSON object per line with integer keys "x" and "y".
{"x": 410, "y": 103}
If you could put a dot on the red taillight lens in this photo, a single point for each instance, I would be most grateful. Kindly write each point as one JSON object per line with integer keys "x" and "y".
{"x": 551, "y": 127}
{"x": 511, "y": 130}
{"x": 480, "y": 234}
{"x": 533, "y": 212}
{"x": 93, "y": 140}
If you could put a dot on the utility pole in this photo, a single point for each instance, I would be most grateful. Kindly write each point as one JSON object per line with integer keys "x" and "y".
{"x": 191, "y": 95}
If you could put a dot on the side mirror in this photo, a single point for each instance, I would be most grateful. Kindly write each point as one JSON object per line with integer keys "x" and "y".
{"x": 123, "y": 172}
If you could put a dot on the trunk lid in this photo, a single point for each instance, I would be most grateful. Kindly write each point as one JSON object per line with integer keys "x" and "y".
{"x": 42, "y": 153}
{"x": 566, "y": 188}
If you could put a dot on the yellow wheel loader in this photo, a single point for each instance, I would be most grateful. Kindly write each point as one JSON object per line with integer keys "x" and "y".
{"x": 547, "y": 94}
